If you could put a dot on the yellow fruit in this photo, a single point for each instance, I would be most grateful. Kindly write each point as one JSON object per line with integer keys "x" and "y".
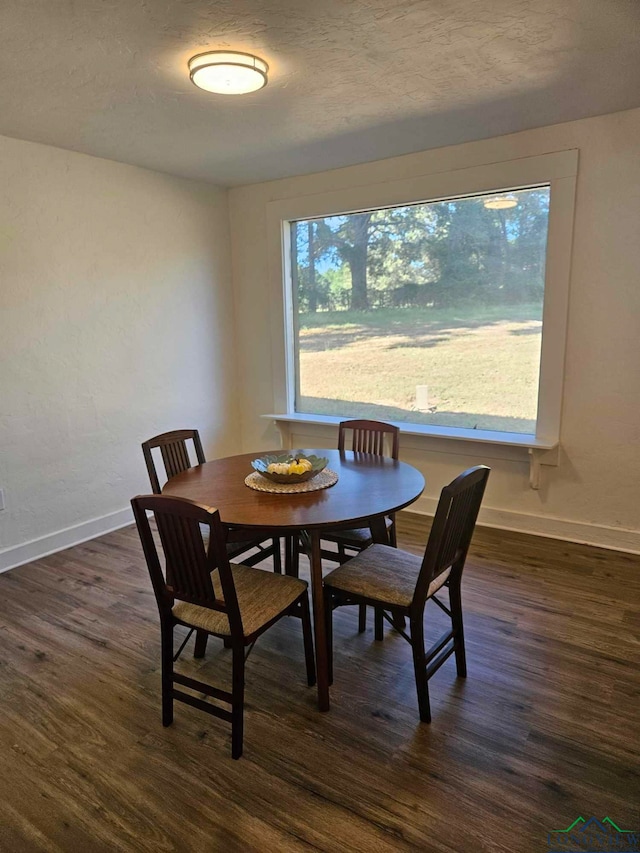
{"x": 297, "y": 468}
{"x": 306, "y": 464}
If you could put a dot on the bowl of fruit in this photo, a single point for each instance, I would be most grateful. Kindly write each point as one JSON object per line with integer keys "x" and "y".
{"x": 290, "y": 467}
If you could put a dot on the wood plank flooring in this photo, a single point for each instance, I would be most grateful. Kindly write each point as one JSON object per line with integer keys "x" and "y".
{"x": 545, "y": 728}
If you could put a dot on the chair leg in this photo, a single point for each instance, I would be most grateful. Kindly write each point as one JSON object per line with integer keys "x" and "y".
{"x": 378, "y": 622}
{"x": 455, "y": 601}
{"x": 277, "y": 557}
{"x": 399, "y": 622}
{"x": 342, "y": 554}
{"x": 328, "y": 620}
{"x": 201, "y": 644}
{"x": 291, "y": 556}
{"x": 237, "y": 701}
{"x": 362, "y": 618}
{"x": 308, "y": 640}
{"x": 420, "y": 669}
{"x": 166, "y": 640}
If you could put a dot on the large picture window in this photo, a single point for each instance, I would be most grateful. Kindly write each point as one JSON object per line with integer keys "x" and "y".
{"x": 427, "y": 313}
{"x": 437, "y": 300}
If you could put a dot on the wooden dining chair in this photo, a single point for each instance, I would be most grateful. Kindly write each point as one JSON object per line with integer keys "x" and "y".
{"x": 200, "y": 589}
{"x": 398, "y": 584}
{"x": 174, "y": 450}
{"x": 379, "y": 439}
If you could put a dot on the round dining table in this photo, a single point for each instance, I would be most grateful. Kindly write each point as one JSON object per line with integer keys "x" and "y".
{"x": 368, "y": 488}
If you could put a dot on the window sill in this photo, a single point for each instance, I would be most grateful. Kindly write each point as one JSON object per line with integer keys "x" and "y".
{"x": 541, "y": 451}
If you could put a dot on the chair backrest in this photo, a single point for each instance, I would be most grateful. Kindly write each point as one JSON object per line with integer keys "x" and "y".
{"x": 452, "y": 529}
{"x": 369, "y": 437}
{"x": 175, "y": 454}
{"x": 188, "y": 563}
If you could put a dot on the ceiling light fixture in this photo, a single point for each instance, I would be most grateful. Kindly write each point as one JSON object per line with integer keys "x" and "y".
{"x": 228, "y": 72}
{"x": 500, "y": 202}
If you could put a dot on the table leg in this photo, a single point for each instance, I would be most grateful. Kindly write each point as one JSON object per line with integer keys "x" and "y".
{"x": 291, "y": 556}
{"x": 379, "y": 532}
{"x": 319, "y": 625}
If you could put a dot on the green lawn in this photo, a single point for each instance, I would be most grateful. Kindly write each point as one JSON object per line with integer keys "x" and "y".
{"x": 480, "y": 366}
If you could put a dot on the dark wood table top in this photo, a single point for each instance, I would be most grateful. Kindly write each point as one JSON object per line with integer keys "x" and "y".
{"x": 368, "y": 486}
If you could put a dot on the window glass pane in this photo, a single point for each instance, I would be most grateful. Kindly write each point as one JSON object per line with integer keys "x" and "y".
{"x": 429, "y": 313}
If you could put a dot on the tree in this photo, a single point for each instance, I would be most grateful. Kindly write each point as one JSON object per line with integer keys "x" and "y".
{"x": 313, "y": 284}
{"x": 309, "y": 284}
{"x": 438, "y": 253}
{"x": 347, "y": 237}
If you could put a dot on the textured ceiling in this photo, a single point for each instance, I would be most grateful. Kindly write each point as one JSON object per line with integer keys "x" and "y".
{"x": 350, "y": 80}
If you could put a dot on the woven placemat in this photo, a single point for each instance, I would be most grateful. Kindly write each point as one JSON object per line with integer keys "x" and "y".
{"x": 322, "y": 480}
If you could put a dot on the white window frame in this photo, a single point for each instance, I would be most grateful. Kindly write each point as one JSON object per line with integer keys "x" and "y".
{"x": 557, "y": 169}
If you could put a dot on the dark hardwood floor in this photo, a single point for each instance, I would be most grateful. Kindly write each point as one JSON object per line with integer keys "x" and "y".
{"x": 545, "y": 728}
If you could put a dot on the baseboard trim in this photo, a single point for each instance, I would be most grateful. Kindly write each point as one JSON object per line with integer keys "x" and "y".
{"x": 549, "y": 527}
{"x": 566, "y": 530}
{"x": 11, "y": 558}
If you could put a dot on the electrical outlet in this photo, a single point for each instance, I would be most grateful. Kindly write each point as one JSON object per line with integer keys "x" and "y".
{"x": 2, "y": 499}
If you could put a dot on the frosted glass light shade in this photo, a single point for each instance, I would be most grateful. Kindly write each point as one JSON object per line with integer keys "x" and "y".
{"x": 500, "y": 202}
{"x": 228, "y": 72}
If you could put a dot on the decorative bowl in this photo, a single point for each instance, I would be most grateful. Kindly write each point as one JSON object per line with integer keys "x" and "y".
{"x": 261, "y": 465}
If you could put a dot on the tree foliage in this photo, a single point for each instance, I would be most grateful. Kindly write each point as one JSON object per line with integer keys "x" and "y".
{"x": 438, "y": 253}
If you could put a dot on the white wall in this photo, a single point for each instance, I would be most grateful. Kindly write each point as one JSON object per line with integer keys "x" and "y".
{"x": 116, "y": 323}
{"x": 593, "y": 494}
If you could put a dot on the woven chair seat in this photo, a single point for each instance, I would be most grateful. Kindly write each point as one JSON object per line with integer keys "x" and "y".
{"x": 383, "y": 574}
{"x": 357, "y": 538}
{"x": 238, "y": 542}
{"x": 262, "y": 596}
{"x": 240, "y": 546}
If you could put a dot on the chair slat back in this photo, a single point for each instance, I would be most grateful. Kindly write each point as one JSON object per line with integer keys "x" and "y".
{"x": 452, "y": 529}
{"x": 185, "y": 558}
{"x": 369, "y": 437}
{"x": 174, "y": 452}
{"x": 188, "y": 563}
